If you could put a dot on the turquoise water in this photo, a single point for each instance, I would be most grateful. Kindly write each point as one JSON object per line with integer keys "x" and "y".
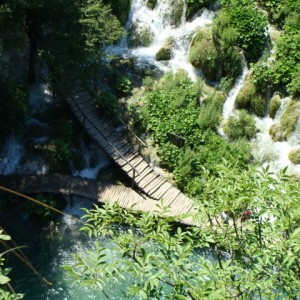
{"x": 48, "y": 250}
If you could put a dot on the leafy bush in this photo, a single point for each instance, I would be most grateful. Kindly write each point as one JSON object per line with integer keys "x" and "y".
{"x": 225, "y": 39}
{"x": 199, "y": 145}
{"x": 211, "y": 111}
{"x": 294, "y": 156}
{"x": 120, "y": 8}
{"x": 274, "y": 106}
{"x": 240, "y": 126}
{"x": 203, "y": 54}
{"x": 140, "y": 36}
{"x": 249, "y": 24}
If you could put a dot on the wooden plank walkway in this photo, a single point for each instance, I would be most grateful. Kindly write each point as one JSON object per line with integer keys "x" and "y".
{"x": 101, "y": 192}
{"x": 147, "y": 180}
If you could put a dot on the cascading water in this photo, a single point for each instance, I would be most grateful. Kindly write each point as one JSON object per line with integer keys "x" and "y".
{"x": 11, "y": 156}
{"x": 228, "y": 107}
{"x": 159, "y": 24}
{"x": 275, "y": 154}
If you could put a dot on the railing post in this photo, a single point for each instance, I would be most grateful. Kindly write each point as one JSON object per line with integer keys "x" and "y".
{"x": 133, "y": 178}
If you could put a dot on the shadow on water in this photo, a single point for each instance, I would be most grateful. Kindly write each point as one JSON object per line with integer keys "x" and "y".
{"x": 48, "y": 248}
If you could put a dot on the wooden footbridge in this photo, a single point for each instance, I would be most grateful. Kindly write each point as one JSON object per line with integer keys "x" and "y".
{"x": 86, "y": 188}
{"x": 100, "y": 128}
{"x": 150, "y": 186}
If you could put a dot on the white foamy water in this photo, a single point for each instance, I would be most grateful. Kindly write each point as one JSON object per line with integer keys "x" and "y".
{"x": 159, "y": 23}
{"x": 11, "y": 156}
{"x": 228, "y": 107}
{"x": 40, "y": 97}
{"x": 94, "y": 160}
{"x": 275, "y": 154}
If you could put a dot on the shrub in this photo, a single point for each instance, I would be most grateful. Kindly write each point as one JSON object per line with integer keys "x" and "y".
{"x": 140, "y": 36}
{"x": 209, "y": 115}
{"x": 203, "y": 54}
{"x": 120, "y": 8}
{"x": 240, "y": 126}
{"x": 225, "y": 37}
{"x": 249, "y": 24}
{"x": 274, "y": 106}
{"x": 294, "y": 156}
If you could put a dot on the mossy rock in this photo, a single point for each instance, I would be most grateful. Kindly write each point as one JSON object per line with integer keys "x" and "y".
{"x": 165, "y": 52}
{"x": 290, "y": 117}
{"x": 294, "y": 156}
{"x": 248, "y": 98}
{"x": 140, "y": 36}
{"x": 275, "y": 103}
{"x": 203, "y": 54}
{"x": 246, "y": 93}
{"x": 151, "y": 3}
{"x": 277, "y": 133}
{"x": 176, "y": 12}
{"x": 282, "y": 130}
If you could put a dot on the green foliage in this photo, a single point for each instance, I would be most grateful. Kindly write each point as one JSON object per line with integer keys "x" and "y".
{"x": 275, "y": 103}
{"x": 14, "y": 106}
{"x": 42, "y": 211}
{"x": 5, "y": 292}
{"x": 59, "y": 31}
{"x": 151, "y": 3}
{"x": 248, "y": 98}
{"x": 210, "y": 114}
{"x": 123, "y": 85}
{"x": 193, "y": 6}
{"x": 294, "y": 156}
{"x": 203, "y": 54}
{"x": 241, "y": 126}
{"x": 60, "y": 154}
{"x": 263, "y": 77}
{"x": 201, "y": 146}
{"x": 120, "y": 8}
{"x": 249, "y": 256}
{"x": 287, "y": 62}
{"x": 225, "y": 39}
{"x": 140, "y": 36}
{"x": 244, "y": 26}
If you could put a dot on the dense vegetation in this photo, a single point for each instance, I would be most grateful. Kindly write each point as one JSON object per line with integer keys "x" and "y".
{"x": 187, "y": 141}
{"x": 258, "y": 258}
{"x": 249, "y": 219}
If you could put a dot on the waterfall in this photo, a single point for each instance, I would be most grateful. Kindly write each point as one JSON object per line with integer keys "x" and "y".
{"x": 228, "y": 107}
{"x": 160, "y": 25}
{"x": 275, "y": 154}
{"x": 11, "y": 156}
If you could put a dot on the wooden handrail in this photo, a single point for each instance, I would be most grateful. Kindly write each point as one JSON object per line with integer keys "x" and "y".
{"x": 96, "y": 128}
